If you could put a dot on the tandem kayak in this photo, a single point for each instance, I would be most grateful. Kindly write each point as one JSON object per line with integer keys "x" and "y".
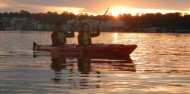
{"x": 99, "y": 50}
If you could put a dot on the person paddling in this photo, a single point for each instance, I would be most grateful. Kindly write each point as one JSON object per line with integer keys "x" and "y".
{"x": 84, "y": 37}
{"x": 58, "y": 36}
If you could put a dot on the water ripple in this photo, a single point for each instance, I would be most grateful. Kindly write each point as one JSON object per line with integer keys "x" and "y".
{"x": 160, "y": 65}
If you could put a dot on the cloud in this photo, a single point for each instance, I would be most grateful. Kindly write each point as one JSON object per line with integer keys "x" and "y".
{"x": 3, "y": 5}
{"x": 58, "y": 9}
{"x": 90, "y": 6}
{"x": 74, "y": 5}
{"x": 15, "y": 7}
{"x": 62, "y": 9}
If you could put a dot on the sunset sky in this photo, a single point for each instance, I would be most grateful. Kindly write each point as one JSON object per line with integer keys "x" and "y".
{"x": 96, "y": 6}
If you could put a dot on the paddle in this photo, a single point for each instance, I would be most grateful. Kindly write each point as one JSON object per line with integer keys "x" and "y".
{"x": 102, "y": 19}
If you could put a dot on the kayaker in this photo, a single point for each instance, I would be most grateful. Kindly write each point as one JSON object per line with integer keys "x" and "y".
{"x": 58, "y": 36}
{"x": 84, "y": 37}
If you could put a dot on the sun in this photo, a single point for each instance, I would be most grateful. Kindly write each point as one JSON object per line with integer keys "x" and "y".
{"x": 117, "y": 10}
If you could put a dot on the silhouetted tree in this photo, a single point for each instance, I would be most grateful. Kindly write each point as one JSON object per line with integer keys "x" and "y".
{"x": 169, "y": 20}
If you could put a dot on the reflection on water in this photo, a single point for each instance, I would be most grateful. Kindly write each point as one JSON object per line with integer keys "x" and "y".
{"x": 160, "y": 64}
{"x": 87, "y": 73}
{"x": 115, "y": 36}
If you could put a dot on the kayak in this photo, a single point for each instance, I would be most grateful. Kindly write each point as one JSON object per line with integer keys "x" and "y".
{"x": 92, "y": 50}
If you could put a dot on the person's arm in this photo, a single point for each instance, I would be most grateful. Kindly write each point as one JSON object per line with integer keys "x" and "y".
{"x": 95, "y": 34}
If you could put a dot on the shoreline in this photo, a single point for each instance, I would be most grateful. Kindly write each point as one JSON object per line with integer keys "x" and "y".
{"x": 106, "y": 31}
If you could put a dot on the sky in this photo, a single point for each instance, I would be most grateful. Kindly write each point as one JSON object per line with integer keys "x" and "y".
{"x": 96, "y": 6}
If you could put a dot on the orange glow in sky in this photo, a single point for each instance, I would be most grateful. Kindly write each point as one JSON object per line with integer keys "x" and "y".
{"x": 116, "y": 10}
{"x": 3, "y": 5}
{"x": 95, "y": 7}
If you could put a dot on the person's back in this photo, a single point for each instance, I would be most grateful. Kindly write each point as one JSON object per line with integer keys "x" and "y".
{"x": 58, "y": 36}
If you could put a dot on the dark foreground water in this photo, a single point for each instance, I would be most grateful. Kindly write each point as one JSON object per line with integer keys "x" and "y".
{"x": 160, "y": 64}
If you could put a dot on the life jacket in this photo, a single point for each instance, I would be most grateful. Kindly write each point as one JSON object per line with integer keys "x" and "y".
{"x": 61, "y": 37}
{"x": 86, "y": 38}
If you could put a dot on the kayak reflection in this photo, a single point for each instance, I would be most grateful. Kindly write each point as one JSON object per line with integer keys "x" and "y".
{"x": 58, "y": 64}
{"x": 87, "y": 73}
{"x": 84, "y": 72}
{"x": 85, "y": 64}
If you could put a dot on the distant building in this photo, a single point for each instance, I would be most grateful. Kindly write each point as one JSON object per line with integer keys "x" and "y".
{"x": 49, "y": 27}
{"x": 154, "y": 29}
{"x": 182, "y": 31}
{"x": 23, "y": 24}
{"x": 1, "y": 27}
{"x": 35, "y": 25}
{"x": 5, "y": 22}
{"x": 109, "y": 25}
{"x": 27, "y": 24}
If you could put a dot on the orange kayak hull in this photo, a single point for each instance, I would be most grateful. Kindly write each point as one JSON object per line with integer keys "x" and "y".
{"x": 93, "y": 50}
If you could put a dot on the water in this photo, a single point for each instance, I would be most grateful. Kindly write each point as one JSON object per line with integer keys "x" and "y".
{"x": 160, "y": 64}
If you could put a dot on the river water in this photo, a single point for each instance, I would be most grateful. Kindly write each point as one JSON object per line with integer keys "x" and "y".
{"x": 160, "y": 64}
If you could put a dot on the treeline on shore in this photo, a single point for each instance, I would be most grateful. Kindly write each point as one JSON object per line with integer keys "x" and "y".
{"x": 170, "y": 21}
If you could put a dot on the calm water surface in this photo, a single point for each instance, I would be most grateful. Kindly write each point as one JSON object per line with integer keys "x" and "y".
{"x": 160, "y": 64}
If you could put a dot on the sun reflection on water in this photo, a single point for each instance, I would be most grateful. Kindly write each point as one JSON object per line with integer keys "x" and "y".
{"x": 160, "y": 65}
{"x": 115, "y": 37}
